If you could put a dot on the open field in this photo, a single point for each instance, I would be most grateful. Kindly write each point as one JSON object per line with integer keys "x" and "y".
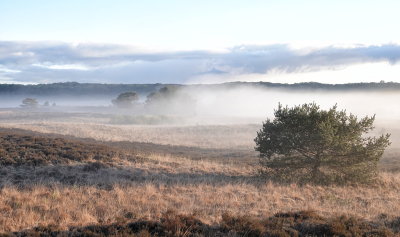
{"x": 96, "y": 126}
{"x": 229, "y": 138}
{"x": 207, "y": 170}
{"x": 78, "y": 195}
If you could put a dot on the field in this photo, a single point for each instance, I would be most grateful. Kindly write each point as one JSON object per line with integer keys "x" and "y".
{"x": 182, "y": 180}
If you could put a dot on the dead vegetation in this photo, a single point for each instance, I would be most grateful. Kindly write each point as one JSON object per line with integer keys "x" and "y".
{"x": 303, "y": 223}
{"x": 77, "y": 195}
{"x": 237, "y": 137}
{"x": 130, "y": 191}
{"x": 23, "y": 150}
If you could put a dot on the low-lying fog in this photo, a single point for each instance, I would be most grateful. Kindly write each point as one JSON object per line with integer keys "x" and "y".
{"x": 245, "y": 102}
{"x": 245, "y": 105}
{"x": 252, "y": 102}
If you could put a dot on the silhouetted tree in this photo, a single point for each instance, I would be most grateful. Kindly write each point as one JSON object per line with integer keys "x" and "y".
{"x": 171, "y": 100}
{"x": 154, "y": 99}
{"x": 29, "y": 103}
{"x": 169, "y": 92}
{"x": 126, "y": 99}
{"x": 305, "y": 143}
{"x": 46, "y": 103}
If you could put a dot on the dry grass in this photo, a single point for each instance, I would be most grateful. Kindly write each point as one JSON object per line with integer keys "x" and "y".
{"x": 95, "y": 126}
{"x": 211, "y": 136}
{"x": 78, "y": 194}
{"x": 146, "y": 190}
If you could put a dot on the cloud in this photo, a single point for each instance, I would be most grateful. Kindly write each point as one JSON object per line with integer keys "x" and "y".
{"x": 48, "y": 61}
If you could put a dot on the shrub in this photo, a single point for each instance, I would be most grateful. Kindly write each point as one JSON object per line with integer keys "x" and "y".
{"x": 20, "y": 150}
{"x": 305, "y": 223}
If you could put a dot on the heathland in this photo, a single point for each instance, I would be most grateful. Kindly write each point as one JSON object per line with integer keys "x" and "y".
{"x": 83, "y": 173}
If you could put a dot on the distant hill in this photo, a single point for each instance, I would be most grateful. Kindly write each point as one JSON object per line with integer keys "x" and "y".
{"x": 97, "y": 89}
{"x": 311, "y": 86}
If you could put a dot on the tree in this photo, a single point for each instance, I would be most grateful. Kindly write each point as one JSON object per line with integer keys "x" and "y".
{"x": 154, "y": 99}
{"x": 307, "y": 144}
{"x": 126, "y": 99}
{"x": 171, "y": 100}
{"x": 29, "y": 103}
{"x": 46, "y": 103}
{"x": 169, "y": 92}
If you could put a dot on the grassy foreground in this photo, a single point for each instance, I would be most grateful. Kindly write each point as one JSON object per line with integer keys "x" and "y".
{"x": 89, "y": 189}
{"x": 303, "y": 223}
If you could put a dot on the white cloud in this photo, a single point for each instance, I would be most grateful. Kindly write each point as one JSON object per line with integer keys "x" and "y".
{"x": 63, "y": 67}
{"x": 114, "y": 63}
{"x": 368, "y": 72}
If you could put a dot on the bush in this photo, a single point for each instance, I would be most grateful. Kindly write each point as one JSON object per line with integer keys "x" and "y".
{"x": 304, "y": 223}
{"x": 307, "y": 144}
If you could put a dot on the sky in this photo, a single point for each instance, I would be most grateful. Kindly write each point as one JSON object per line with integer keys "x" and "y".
{"x": 192, "y": 42}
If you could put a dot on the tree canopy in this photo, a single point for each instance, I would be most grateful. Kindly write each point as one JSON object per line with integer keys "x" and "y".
{"x": 307, "y": 144}
{"x": 126, "y": 99}
{"x": 171, "y": 100}
{"x": 29, "y": 103}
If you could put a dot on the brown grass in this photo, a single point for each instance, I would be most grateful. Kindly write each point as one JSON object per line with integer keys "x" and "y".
{"x": 151, "y": 188}
{"x": 23, "y": 150}
{"x": 290, "y": 224}
{"x": 84, "y": 193}
{"x": 210, "y": 136}
{"x": 96, "y": 127}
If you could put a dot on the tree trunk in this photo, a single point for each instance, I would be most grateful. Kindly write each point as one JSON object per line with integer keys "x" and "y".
{"x": 315, "y": 170}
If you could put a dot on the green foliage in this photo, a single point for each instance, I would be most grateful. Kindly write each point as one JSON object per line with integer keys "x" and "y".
{"x": 29, "y": 103}
{"x": 154, "y": 98}
{"x": 126, "y": 99}
{"x": 307, "y": 144}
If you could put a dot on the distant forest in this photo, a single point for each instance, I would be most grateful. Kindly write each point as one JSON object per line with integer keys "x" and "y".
{"x": 88, "y": 89}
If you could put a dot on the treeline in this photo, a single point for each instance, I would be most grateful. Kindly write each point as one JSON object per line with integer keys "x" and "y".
{"x": 77, "y": 89}
{"x": 88, "y": 89}
{"x": 308, "y": 86}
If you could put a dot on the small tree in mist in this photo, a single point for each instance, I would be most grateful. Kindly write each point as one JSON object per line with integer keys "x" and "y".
{"x": 154, "y": 99}
{"x": 171, "y": 100}
{"x": 126, "y": 99}
{"x": 46, "y": 104}
{"x": 29, "y": 103}
{"x": 307, "y": 144}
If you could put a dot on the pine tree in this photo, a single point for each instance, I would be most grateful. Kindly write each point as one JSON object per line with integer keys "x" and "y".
{"x": 307, "y": 144}
{"x": 29, "y": 103}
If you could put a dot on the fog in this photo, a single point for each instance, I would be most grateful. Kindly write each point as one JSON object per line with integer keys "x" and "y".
{"x": 260, "y": 102}
{"x": 241, "y": 102}
{"x": 214, "y": 105}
